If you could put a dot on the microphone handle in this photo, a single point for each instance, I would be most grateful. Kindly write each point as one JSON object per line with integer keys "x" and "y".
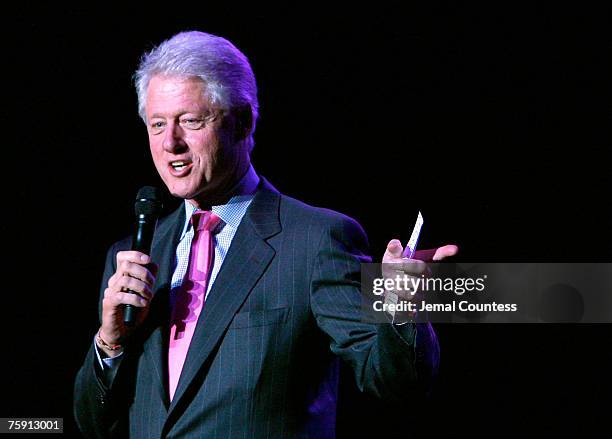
{"x": 143, "y": 237}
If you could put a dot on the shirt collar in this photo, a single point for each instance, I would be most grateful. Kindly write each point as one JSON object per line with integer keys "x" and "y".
{"x": 232, "y": 212}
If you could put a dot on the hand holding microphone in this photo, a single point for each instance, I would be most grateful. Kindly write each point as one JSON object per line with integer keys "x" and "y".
{"x": 130, "y": 288}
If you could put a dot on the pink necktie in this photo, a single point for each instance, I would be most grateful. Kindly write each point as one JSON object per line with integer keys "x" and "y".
{"x": 190, "y": 296}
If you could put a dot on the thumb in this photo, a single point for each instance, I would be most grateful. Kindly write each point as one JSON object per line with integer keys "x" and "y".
{"x": 394, "y": 250}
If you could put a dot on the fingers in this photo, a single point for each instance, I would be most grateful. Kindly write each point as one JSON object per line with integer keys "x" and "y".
{"x": 137, "y": 272}
{"x": 395, "y": 250}
{"x": 132, "y": 256}
{"x": 130, "y": 286}
{"x": 416, "y": 266}
{"x": 412, "y": 267}
{"x": 132, "y": 283}
{"x": 436, "y": 254}
{"x": 395, "y": 262}
{"x": 134, "y": 264}
{"x": 119, "y": 298}
{"x": 445, "y": 252}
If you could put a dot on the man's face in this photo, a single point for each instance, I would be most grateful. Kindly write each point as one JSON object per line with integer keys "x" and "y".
{"x": 191, "y": 142}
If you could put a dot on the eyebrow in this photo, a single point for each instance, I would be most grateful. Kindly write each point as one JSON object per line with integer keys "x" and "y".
{"x": 179, "y": 114}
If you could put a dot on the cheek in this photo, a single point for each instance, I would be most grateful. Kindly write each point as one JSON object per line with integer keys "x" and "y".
{"x": 157, "y": 156}
{"x": 155, "y": 145}
{"x": 204, "y": 148}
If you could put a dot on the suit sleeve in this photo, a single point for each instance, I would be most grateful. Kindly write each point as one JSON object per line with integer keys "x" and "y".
{"x": 93, "y": 404}
{"x": 390, "y": 362}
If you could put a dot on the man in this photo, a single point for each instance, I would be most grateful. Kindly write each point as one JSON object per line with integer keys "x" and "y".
{"x": 247, "y": 294}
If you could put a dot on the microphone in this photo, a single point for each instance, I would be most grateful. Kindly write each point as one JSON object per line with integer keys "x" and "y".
{"x": 147, "y": 208}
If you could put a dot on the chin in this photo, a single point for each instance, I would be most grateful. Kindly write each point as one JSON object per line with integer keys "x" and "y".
{"x": 177, "y": 188}
{"x": 179, "y": 192}
{"x": 185, "y": 195}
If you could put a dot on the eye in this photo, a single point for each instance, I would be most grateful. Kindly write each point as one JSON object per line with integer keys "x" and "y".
{"x": 192, "y": 123}
{"x": 157, "y": 127}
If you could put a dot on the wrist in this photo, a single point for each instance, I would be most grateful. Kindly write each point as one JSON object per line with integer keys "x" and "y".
{"x": 109, "y": 346}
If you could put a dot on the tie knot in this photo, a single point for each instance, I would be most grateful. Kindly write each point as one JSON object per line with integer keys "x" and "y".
{"x": 205, "y": 220}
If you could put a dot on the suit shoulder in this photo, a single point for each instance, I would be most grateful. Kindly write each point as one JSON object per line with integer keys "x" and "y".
{"x": 293, "y": 210}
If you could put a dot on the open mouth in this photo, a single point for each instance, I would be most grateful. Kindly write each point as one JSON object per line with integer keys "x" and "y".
{"x": 179, "y": 168}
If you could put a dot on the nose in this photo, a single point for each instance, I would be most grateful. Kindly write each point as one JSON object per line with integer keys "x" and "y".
{"x": 173, "y": 138}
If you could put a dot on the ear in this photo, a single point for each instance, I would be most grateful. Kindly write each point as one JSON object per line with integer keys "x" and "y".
{"x": 243, "y": 117}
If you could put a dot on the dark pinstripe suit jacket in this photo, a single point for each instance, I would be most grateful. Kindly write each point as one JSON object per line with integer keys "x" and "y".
{"x": 261, "y": 363}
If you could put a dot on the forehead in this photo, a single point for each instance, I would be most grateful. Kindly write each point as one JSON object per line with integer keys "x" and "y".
{"x": 171, "y": 94}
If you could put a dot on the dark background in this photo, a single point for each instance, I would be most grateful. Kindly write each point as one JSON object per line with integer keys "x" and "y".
{"x": 492, "y": 120}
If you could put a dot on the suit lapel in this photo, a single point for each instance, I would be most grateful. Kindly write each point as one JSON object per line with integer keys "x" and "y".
{"x": 163, "y": 253}
{"x": 248, "y": 257}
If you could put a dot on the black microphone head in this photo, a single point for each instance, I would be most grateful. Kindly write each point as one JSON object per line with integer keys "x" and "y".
{"x": 148, "y": 201}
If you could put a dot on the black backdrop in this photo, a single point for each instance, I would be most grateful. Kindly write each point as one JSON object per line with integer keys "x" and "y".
{"x": 490, "y": 119}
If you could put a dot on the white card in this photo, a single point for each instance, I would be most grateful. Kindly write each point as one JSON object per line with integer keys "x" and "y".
{"x": 414, "y": 238}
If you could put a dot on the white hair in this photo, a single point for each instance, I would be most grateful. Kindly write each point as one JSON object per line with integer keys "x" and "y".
{"x": 225, "y": 70}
